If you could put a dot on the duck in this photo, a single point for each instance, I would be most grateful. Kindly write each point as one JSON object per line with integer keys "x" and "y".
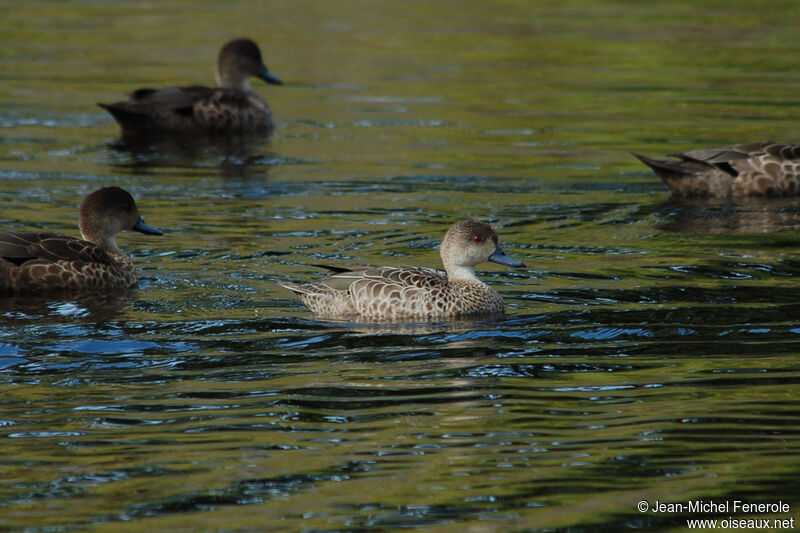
{"x": 32, "y": 262}
{"x": 408, "y": 292}
{"x": 231, "y": 108}
{"x": 765, "y": 168}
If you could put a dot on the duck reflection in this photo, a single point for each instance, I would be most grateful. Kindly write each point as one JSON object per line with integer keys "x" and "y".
{"x": 64, "y": 307}
{"x": 389, "y": 327}
{"x": 235, "y": 156}
{"x": 746, "y": 215}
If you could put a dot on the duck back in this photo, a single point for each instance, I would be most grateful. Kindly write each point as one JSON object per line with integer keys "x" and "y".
{"x": 192, "y": 110}
{"x": 34, "y": 262}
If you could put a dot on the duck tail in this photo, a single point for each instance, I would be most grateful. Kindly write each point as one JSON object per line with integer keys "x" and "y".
{"x": 665, "y": 169}
{"x": 132, "y": 121}
{"x": 298, "y": 289}
{"x": 332, "y": 269}
{"x": 120, "y": 112}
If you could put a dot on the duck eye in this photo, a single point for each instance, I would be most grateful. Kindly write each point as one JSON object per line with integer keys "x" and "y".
{"x": 126, "y": 206}
{"x": 477, "y": 238}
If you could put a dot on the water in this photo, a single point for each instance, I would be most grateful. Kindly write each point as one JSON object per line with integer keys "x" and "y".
{"x": 651, "y": 351}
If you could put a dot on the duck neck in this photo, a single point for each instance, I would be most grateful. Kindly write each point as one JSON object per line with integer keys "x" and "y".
{"x": 460, "y": 272}
{"x": 107, "y": 243}
{"x": 232, "y": 80}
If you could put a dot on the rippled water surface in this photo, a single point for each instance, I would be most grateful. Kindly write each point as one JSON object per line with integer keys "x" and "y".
{"x": 651, "y": 351}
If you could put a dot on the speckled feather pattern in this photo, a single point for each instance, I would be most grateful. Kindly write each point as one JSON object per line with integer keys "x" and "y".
{"x": 401, "y": 292}
{"x": 752, "y": 169}
{"x": 195, "y": 110}
{"x": 38, "y": 275}
{"x": 242, "y": 113}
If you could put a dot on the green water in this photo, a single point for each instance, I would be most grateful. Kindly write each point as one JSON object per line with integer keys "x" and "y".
{"x": 651, "y": 351}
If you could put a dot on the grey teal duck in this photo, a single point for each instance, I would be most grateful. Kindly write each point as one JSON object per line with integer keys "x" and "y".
{"x": 395, "y": 293}
{"x": 231, "y": 108}
{"x": 33, "y": 262}
{"x": 752, "y": 169}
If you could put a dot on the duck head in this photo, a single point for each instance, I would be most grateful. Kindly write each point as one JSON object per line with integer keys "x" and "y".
{"x": 108, "y": 211}
{"x": 469, "y": 243}
{"x": 239, "y": 60}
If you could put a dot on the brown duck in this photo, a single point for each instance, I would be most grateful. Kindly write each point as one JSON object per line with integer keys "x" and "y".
{"x": 752, "y": 169}
{"x": 35, "y": 262}
{"x": 395, "y": 293}
{"x": 231, "y": 108}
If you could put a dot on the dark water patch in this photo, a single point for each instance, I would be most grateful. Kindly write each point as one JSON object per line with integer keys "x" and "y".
{"x": 666, "y": 295}
{"x": 8, "y": 362}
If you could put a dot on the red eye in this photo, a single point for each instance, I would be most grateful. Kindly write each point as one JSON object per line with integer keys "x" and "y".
{"x": 477, "y": 238}
{"x": 126, "y": 206}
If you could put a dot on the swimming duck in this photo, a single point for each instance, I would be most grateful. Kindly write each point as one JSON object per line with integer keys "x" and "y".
{"x": 34, "y": 262}
{"x": 752, "y": 169}
{"x": 231, "y": 108}
{"x": 392, "y": 293}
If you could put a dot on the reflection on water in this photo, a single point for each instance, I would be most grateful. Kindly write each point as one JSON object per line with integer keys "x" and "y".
{"x": 745, "y": 215}
{"x": 64, "y": 307}
{"x": 368, "y": 328}
{"x": 650, "y": 351}
{"x": 231, "y": 155}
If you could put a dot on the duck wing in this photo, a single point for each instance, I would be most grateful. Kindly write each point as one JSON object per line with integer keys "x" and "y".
{"x": 19, "y": 247}
{"x": 740, "y": 157}
{"x": 737, "y": 152}
{"x": 147, "y": 102}
{"x": 398, "y": 277}
{"x": 179, "y": 100}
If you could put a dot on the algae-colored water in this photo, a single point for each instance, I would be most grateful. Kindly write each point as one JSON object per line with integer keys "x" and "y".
{"x": 651, "y": 351}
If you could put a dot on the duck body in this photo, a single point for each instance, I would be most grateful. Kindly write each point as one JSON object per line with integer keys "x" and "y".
{"x": 192, "y": 110}
{"x": 32, "y": 262}
{"x": 396, "y": 293}
{"x": 232, "y": 108}
{"x": 752, "y": 169}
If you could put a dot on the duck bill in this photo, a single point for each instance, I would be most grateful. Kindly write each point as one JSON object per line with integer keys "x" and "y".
{"x": 141, "y": 227}
{"x": 269, "y": 77}
{"x": 500, "y": 257}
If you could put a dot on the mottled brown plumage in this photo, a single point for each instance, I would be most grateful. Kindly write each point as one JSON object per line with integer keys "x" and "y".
{"x": 752, "y": 169}
{"x": 35, "y": 262}
{"x": 396, "y": 293}
{"x": 231, "y": 108}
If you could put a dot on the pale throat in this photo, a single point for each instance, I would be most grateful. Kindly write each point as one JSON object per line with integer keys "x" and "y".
{"x": 226, "y": 81}
{"x": 108, "y": 243}
{"x": 460, "y": 272}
